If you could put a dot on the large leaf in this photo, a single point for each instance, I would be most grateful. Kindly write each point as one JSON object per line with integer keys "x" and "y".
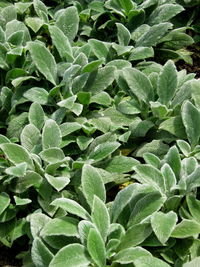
{"x": 71, "y": 206}
{"x": 96, "y": 247}
{"x": 186, "y": 228}
{"x": 30, "y": 137}
{"x": 92, "y": 184}
{"x": 167, "y": 83}
{"x": 135, "y": 235}
{"x": 164, "y": 13}
{"x": 163, "y": 225}
{"x": 149, "y": 261}
{"x": 40, "y": 254}
{"x": 139, "y": 84}
{"x": 61, "y": 226}
{"x": 61, "y": 43}
{"x": 44, "y": 61}
{"x": 194, "y": 263}
{"x": 129, "y": 255}
{"x": 51, "y": 135}
{"x": 68, "y": 21}
{"x": 191, "y": 120}
{"x": 145, "y": 207}
{"x": 17, "y": 154}
{"x": 100, "y": 217}
{"x": 72, "y": 255}
{"x": 103, "y": 150}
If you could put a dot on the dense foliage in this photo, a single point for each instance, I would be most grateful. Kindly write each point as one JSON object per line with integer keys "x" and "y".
{"x": 99, "y": 143}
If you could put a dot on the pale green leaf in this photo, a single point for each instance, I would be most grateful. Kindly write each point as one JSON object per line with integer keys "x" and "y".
{"x": 51, "y": 134}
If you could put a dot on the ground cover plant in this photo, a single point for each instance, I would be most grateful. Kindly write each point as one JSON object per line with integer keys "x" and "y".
{"x": 99, "y": 133}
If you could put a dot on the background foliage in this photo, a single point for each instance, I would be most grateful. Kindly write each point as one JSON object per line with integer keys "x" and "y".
{"x": 99, "y": 143}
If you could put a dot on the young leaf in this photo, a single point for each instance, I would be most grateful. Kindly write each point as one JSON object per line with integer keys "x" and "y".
{"x": 129, "y": 255}
{"x": 61, "y": 43}
{"x": 17, "y": 154}
{"x": 92, "y": 184}
{"x": 51, "y": 135}
{"x": 30, "y": 137}
{"x": 40, "y": 254}
{"x": 44, "y": 61}
{"x": 186, "y": 228}
{"x": 57, "y": 182}
{"x": 36, "y": 115}
{"x": 103, "y": 150}
{"x": 150, "y": 175}
{"x": 37, "y": 94}
{"x": 145, "y": 207}
{"x": 139, "y": 84}
{"x": 71, "y": 206}
{"x": 169, "y": 177}
{"x": 66, "y": 226}
{"x": 68, "y": 22}
{"x": 191, "y": 121}
{"x": 72, "y": 255}
{"x": 100, "y": 217}
{"x": 163, "y": 225}
{"x": 96, "y": 248}
{"x": 174, "y": 160}
{"x": 84, "y": 229}
{"x": 167, "y": 83}
{"x": 135, "y": 235}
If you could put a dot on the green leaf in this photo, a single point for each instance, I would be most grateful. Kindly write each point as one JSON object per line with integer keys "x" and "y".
{"x": 123, "y": 34}
{"x": 92, "y": 66}
{"x": 121, "y": 164}
{"x": 184, "y": 147}
{"x": 169, "y": 177}
{"x": 84, "y": 229}
{"x": 36, "y": 115}
{"x": 163, "y": 225}
{"x": 150, "y": 261}
{"x": 96, "y": 248}
{"x": 34, "y": 23}
{"x": 193, "y": 181}
{"x": 139, "y": 84}
{"x": 194, "y": 207}
{"x": 152, "y": 159}
{"x": 57, "y": 182}
{"x": 18, "y": 170}
{"x": 167, "y": 83}
{"x": 145, "y": 207}
{"x": 101, "y": 98}
{"x": 68, "y": 22}
{"x": 21, "y": 201}
{"x": 99, "y": 48}
{"x": 51, "y": 135}
{"x": 135, "y": 235}
{"x": 41, "y": 10}
{"x": 174, "y": 160}
{"x": 150, "y": 175}
{"x": 37, "y": 222}
{"x": 191, "y": 121}
{"x": 174, "y": 125}
{"x": 37, "y": 94}
{"x": 71, "y": 206}
{"x": 40, "y": 254}
{"x": 139, "y": 53}
{"x": 66, "y": 226}
{"x": 83, "y": 141}
{"x": 52, "y": 155}
{"x": 72, "y": 255}
{"x": 92, "y": 184}
{"x": 30, "y": 137}
{"x": 44, "y": 61}
{"x": 69, "y": 127}
{"x": 164, "y": 13}
{"x": 195, "y": 92}
{"x": 5, "y": 201}
{"x": 61, "y": 43}
{"x": 100, "y": 217}
{"x": 103, "y": 150}
{"x": 17, "y": 154}
{"x": 129, "y": 255}
{"x": 100, "y": 80}
{"x": 153, "y": 35}
{"x": 194, "y": 263}
{"x": 186, "y": 228}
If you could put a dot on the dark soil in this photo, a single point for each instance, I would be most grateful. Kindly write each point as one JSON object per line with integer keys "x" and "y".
{"x": 195, "y": 67}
